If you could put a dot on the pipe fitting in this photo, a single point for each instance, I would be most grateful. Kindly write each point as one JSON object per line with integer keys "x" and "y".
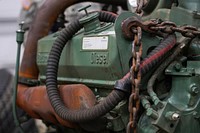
{"x": 152, "y": 113}
{"x": 172, "y": 116}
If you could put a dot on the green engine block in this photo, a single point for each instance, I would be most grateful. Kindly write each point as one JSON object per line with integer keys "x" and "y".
{"x": 98, "y": 55}
{"x": 97, "y": 58}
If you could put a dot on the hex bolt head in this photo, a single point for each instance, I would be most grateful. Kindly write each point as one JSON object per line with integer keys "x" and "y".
{"x": 177, "y": 66}
{"x": 175, "y": 116}
{"x": 194, "y": 90}
{"x": 152, "y": 113}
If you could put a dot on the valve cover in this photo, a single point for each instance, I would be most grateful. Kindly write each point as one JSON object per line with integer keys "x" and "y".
{"x": 90, "y": 59}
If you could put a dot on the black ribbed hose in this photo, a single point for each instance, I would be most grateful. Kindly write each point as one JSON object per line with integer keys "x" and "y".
{"x": 156, "y": 55}
{"x": 113, "y": 98}
{"x": 51, "y": 79}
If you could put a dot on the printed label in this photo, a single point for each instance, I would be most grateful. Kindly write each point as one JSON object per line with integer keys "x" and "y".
{"x": 95, "y": 43}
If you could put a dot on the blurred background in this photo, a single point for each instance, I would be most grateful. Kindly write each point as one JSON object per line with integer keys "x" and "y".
{"x": 9, "y": 12}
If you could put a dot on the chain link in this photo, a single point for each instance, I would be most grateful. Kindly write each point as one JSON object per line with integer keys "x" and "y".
{"x": 155, "y": 26}
{"x": 134, "y": 101}
{"x": 140, "y": 5}
{"x": 170, "y": 27}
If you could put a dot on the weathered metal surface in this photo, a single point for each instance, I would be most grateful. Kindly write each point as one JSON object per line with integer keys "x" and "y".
{"x": 35, "y": 102}
{"x": 158, "y": 27}
{"x": 134, "y": 100}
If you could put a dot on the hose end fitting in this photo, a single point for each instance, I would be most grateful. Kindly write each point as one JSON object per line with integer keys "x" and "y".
{"x": 124, "y": 84}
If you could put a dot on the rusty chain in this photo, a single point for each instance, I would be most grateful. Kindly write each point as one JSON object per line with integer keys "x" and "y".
{"x": 134, "y": 28}
{"x": 134, "y": 101}
{"x": 159, "y": 27}
{"x": 140, "y": 5}
{"x": 169, "y": 27}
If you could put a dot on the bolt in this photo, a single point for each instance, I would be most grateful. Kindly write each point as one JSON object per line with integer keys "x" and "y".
{"x": 173, "y": 116}
{"x": 177, "y": 66}
{"x": 194, "y": 89}
{"x": 158, "y": 103}
{"x": 152, "y": 113}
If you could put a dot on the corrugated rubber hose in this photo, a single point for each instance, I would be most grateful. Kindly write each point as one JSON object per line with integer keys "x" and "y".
{"x": 51, "y": 82}
{"x": 157, "y": 54}
{"x": 114, "y": 97}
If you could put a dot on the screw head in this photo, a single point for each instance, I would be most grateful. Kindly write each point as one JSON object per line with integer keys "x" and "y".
{"x": 177, "y": 66}
{"x": 194, "y": 89}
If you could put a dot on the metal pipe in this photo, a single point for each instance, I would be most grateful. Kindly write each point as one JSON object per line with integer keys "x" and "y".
{"x": 158, "y": 71}
{"x": 19, "y": 39}
{"x": 79, "y": 97}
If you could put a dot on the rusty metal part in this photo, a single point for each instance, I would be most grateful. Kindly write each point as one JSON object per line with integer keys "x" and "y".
{"x": 35, "y": 102}
{"x": 157, "y": 27}
{"x": 170, "y": 27}
{"x": 133, "y": 26}
{"x": 134, "y": 101}
{"x": 131, "y": 22}
{"x": 140, "y": 5}
{"x": 40, "y": 27}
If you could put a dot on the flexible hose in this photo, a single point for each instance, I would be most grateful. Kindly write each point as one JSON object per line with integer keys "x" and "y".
{"x": 160, "y": 69}
{"x": 113, "y": 98}
{"x": 51, "y": 82}
{"x": 158, "y": 53}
